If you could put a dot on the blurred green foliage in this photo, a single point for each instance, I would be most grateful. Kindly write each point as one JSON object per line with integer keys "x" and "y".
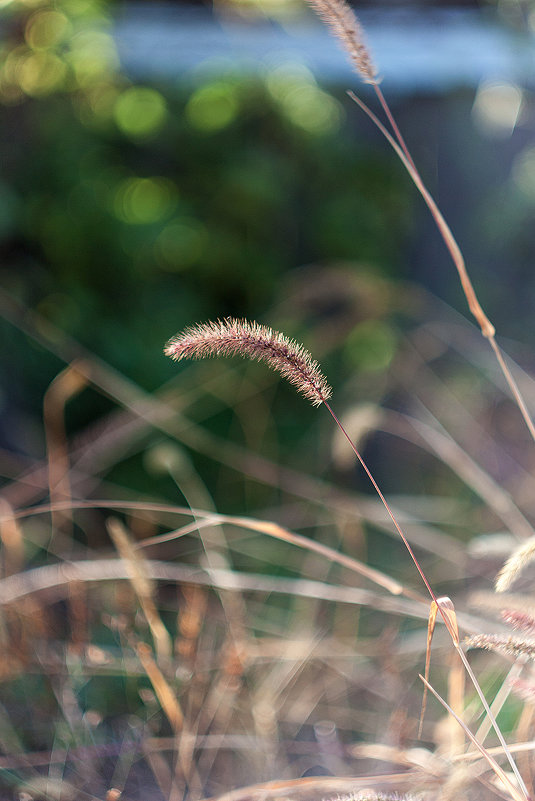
{"x": 128, "y": 210}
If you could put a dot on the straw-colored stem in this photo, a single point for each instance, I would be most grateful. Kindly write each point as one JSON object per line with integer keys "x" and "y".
{"x": 521, "y": 795}
{"x": 393, "y": 123}
{"x": 444, "y": 616}
{"x": 495, "y": 726}
{"x": 385, "y": 504}
{"x": 513, "y": 386}
{"x": 487, "y": 328}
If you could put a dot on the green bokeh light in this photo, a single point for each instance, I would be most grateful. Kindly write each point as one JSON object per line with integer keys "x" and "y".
{"x": 46, "y": 29}
{"x": 213, "y": 107}
{"x": 92, "y": 55}
{"x": 371, "y": 345}
{"x": 140, "y": 112}
{"x": 294, "y": 89}
{"x": 140, "y": 201}
{"x": 181, "y": 244}
{"x": 40, "y": 73}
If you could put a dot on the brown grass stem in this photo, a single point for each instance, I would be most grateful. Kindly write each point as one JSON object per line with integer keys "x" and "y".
{"x": 393, "y": 124}
{"x": 487, "y": 328}
{"x": 143, "y": 587}
{"x": 387, "y": 507}
{"x": 66, "y": 385}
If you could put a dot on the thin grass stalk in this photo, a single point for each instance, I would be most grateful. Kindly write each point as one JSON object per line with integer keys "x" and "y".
{"x": 143, "y": 587}
{"x": 393, "y": 124}
{"x": 487, "y": 328}
{"x": 165, "y": 694}
{"x": 388, "y": 509}
{"x": 495, "y": 726}
{"x": 500, "y": 699}
{"x": 65, "y": 386}
{"x": 518, "y": 796}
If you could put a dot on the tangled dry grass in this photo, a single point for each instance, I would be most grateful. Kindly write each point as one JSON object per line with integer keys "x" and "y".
{"x": 161, "y": 651}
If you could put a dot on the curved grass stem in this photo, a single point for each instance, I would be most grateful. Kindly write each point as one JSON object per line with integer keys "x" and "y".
{"x": 487, "y": 329}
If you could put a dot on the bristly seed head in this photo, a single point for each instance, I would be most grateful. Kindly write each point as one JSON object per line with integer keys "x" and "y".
{"x": 344, "y": 24}
{"x": 513, "y": 646}
{"x": 232, "y": 337}
{"x": 521, "y": 621}
{"x": 522, "y": 556}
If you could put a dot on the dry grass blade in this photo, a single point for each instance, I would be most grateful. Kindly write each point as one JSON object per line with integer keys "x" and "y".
{"x": 143, "y": 588}
{"x": 431, "y": 621}
{"x": 325, "y": 787}
{"x": 500, "y": 773}
{"x": 500, "y": 699}
{"x": 165, "y": 694}
{"x": 437, "y": 440}
{"x": 280, "y": 533}
{"x": 65, "y": 386}
{"x": 492, "y": 719}
{"x": 449, "y": 616}
{"x": 516, "y": 748}
{"x": 263, "y": 526}
{"x": 518, "y": 560}
{"x": 232, "y": 337}
{"x": 58, "y": 577}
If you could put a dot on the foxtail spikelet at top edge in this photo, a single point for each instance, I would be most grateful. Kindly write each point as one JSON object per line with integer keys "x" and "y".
{"x": 232, "y": 337}
{"x": 344, "y": 24}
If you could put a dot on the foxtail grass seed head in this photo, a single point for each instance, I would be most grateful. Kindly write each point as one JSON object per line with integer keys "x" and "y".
{"x": 344, "y": 24}
{"x": 520, "y": 621}
{"x": 232, "y": 337}
{"x": 512, "y": 646}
